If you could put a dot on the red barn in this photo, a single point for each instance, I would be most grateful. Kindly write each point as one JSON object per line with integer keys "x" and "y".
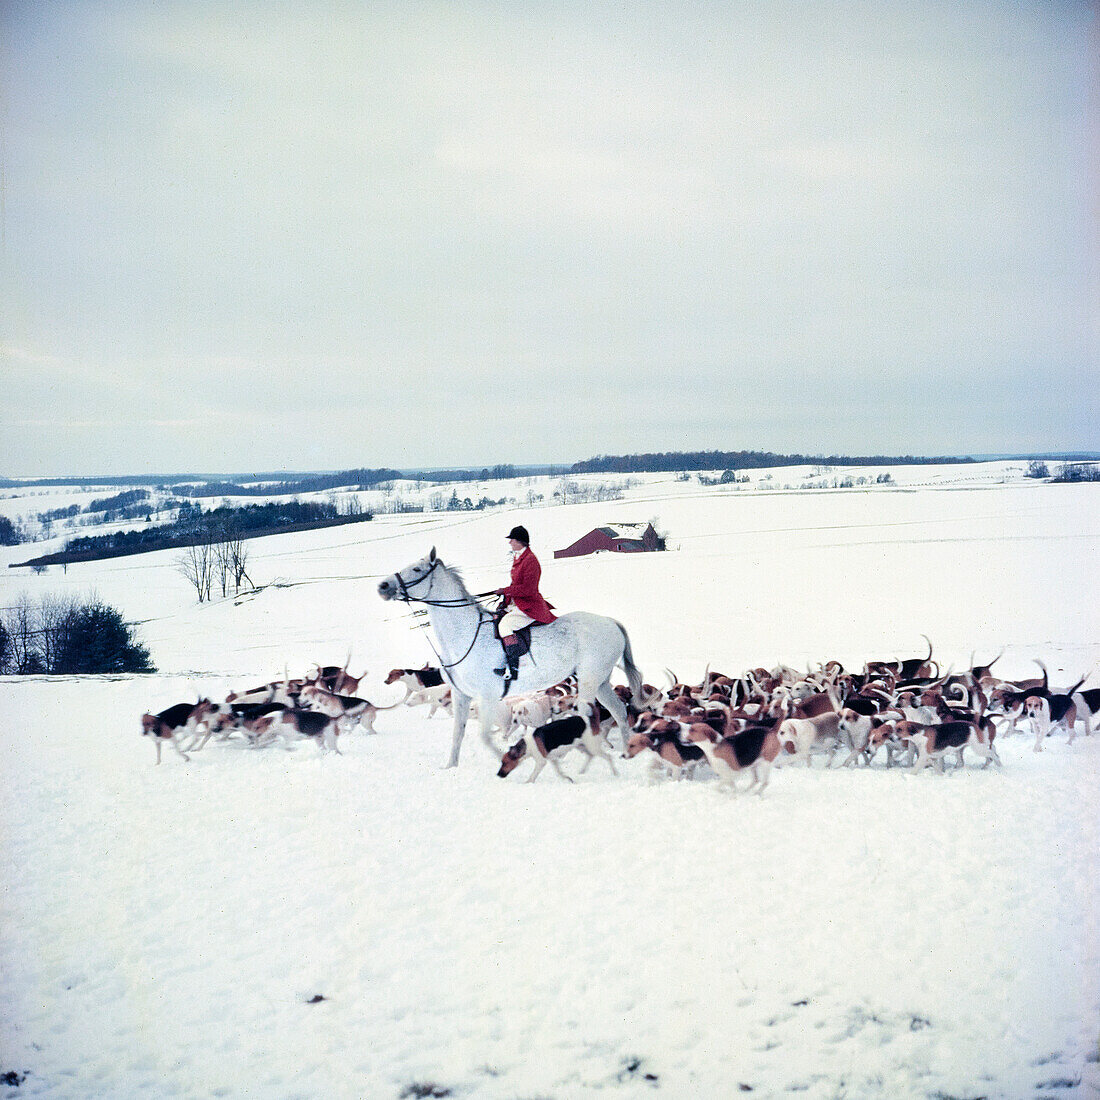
{"x": 622, "y": 538}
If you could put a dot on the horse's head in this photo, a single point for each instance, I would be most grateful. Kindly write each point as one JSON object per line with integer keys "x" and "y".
{"x": 408, "y": 581}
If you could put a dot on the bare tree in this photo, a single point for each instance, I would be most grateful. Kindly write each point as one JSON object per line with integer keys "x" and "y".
{"x": 22, "y": 626}
{"x": 221, "y": 565}
{"x": 221, "y": 548}
{"x": 54, "y": 612}
{"x": 5, "y": 647}
{"x": 565, "y": 490}
{"x": 230, "y": 558}
{"x": 237, "y": 553}
{"x": 196, "y": 563}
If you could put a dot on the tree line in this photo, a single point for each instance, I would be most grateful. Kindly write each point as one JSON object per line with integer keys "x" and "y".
{"x": 309, "y": 483}
{"x": 671, "y": 461}
{"x": 193, "y": 525}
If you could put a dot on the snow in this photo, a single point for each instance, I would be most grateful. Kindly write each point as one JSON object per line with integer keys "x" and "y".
{"x": 166, "y": 931}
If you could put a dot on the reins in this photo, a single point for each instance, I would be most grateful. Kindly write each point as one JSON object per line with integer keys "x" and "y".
{"x": 483, "y": 616}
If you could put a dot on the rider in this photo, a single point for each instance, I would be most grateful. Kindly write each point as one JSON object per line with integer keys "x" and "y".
{"x": 522, "y": 602}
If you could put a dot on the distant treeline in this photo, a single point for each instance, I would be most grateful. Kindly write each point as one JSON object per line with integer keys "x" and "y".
{"x": 193, "y": 525}
{"x": 125, "y": 505}
{"x": 310, "y": 483}
{"x": 119, "y": 500}
{"x": 669, "y": 461}
{"x": 283, "y": 484}
{"x": 500, "y": 472}
{"x": 153, "y": 480}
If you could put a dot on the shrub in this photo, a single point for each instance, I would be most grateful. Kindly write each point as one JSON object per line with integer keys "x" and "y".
{"x": 94, "y": 638}
{"x": 1035, "y": 468}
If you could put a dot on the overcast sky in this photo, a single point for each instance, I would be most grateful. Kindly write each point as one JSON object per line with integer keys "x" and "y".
{"x": 258, "y": 236}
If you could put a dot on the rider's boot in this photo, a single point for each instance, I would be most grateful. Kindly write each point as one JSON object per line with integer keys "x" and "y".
{"x": 510, "y": 669}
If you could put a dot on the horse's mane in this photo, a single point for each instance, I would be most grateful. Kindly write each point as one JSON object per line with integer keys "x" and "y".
{"x": 456, "y": 573}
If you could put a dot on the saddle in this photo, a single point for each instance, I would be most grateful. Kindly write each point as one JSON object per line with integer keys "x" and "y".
{"x": 522, "y": 636}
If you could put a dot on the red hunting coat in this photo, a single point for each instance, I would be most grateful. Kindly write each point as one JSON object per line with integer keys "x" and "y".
{"x": 524, "y": 589}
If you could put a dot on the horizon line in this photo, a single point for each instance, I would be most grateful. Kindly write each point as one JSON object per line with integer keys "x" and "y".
{"x": 526, "y": 469}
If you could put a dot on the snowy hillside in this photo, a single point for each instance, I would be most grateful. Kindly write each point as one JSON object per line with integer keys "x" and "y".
{"x": 289, "y": 924}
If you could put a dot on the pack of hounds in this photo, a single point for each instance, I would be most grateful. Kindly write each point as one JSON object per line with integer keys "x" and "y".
{"x": 317, "y": 707}
{"x": 729, "y": 725}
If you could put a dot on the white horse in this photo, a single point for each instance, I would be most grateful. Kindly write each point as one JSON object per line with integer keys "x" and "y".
{"x": 580, "y": 643}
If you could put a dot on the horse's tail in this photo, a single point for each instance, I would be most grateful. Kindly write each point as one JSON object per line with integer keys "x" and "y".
{"x": 633, "y": 674}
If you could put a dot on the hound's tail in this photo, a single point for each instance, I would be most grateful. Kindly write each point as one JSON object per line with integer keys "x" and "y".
{"x": 633, "y": 675}
{"x": 1076, "y": 687}
{"x": 399, "y": 702}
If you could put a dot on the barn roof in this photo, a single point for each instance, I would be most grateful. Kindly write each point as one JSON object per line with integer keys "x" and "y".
{"x": 624, "y": 530}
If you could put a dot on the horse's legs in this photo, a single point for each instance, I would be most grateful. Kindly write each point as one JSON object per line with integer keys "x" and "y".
{"x": 492, "y": 712}
{"x": 596, "y": 745}
{"x": 461, "y": 712}
{"x": 606, "y": 695}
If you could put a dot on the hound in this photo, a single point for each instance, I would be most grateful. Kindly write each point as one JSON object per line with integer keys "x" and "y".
{"x": 913, "y": 668}
{"x": 670, "y": 754}
{"x": 668, "y": 740}
{"x": 437, "y": 698}
{"x": 1088, "y": 707}
{"x": 932, "y": 742}
{"x": 285, "y": 691}
{"x": 235, "y": 715}
{"x": 1051, "y": 710}
{"x": 337, "y": 680}
{"x": 753, "y": 750}
{"x": 555, "y": 739}
{"x": 176, "y": 722}
{"x": 682, "y": 708}
{"x": 416, "y": 679}
{"x": 530, "y": 711}
{"x": 856, "y": 729}
{"x": 568, "y": 686}
{"x": 216, "y": 723}
{"x": 806, "y": 689}
{"x": 292, "y": 724}
{"x": 651, "y": 696}
{"x": 1009, "y": 699}
{"x": 863, "y": 704}
{"x": 800, "y": 736}
{"x": 982, "y": 675}
{"x": 887, "y": 734}
{"x": 348, "y": 710}
{"x": 813, "y": 706}
{"x": 563, "y": 705}
{"x": 910, "y": 705}
{"x": 425, "y": 686}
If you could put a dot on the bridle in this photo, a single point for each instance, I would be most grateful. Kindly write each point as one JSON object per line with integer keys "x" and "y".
{"x": 406, "y": 596}
{"x": 404, "y": 587}
{"x": 483, "y": 615}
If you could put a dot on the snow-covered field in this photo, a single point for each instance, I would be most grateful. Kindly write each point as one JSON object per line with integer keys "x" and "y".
{"x": 284, "y": 924}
